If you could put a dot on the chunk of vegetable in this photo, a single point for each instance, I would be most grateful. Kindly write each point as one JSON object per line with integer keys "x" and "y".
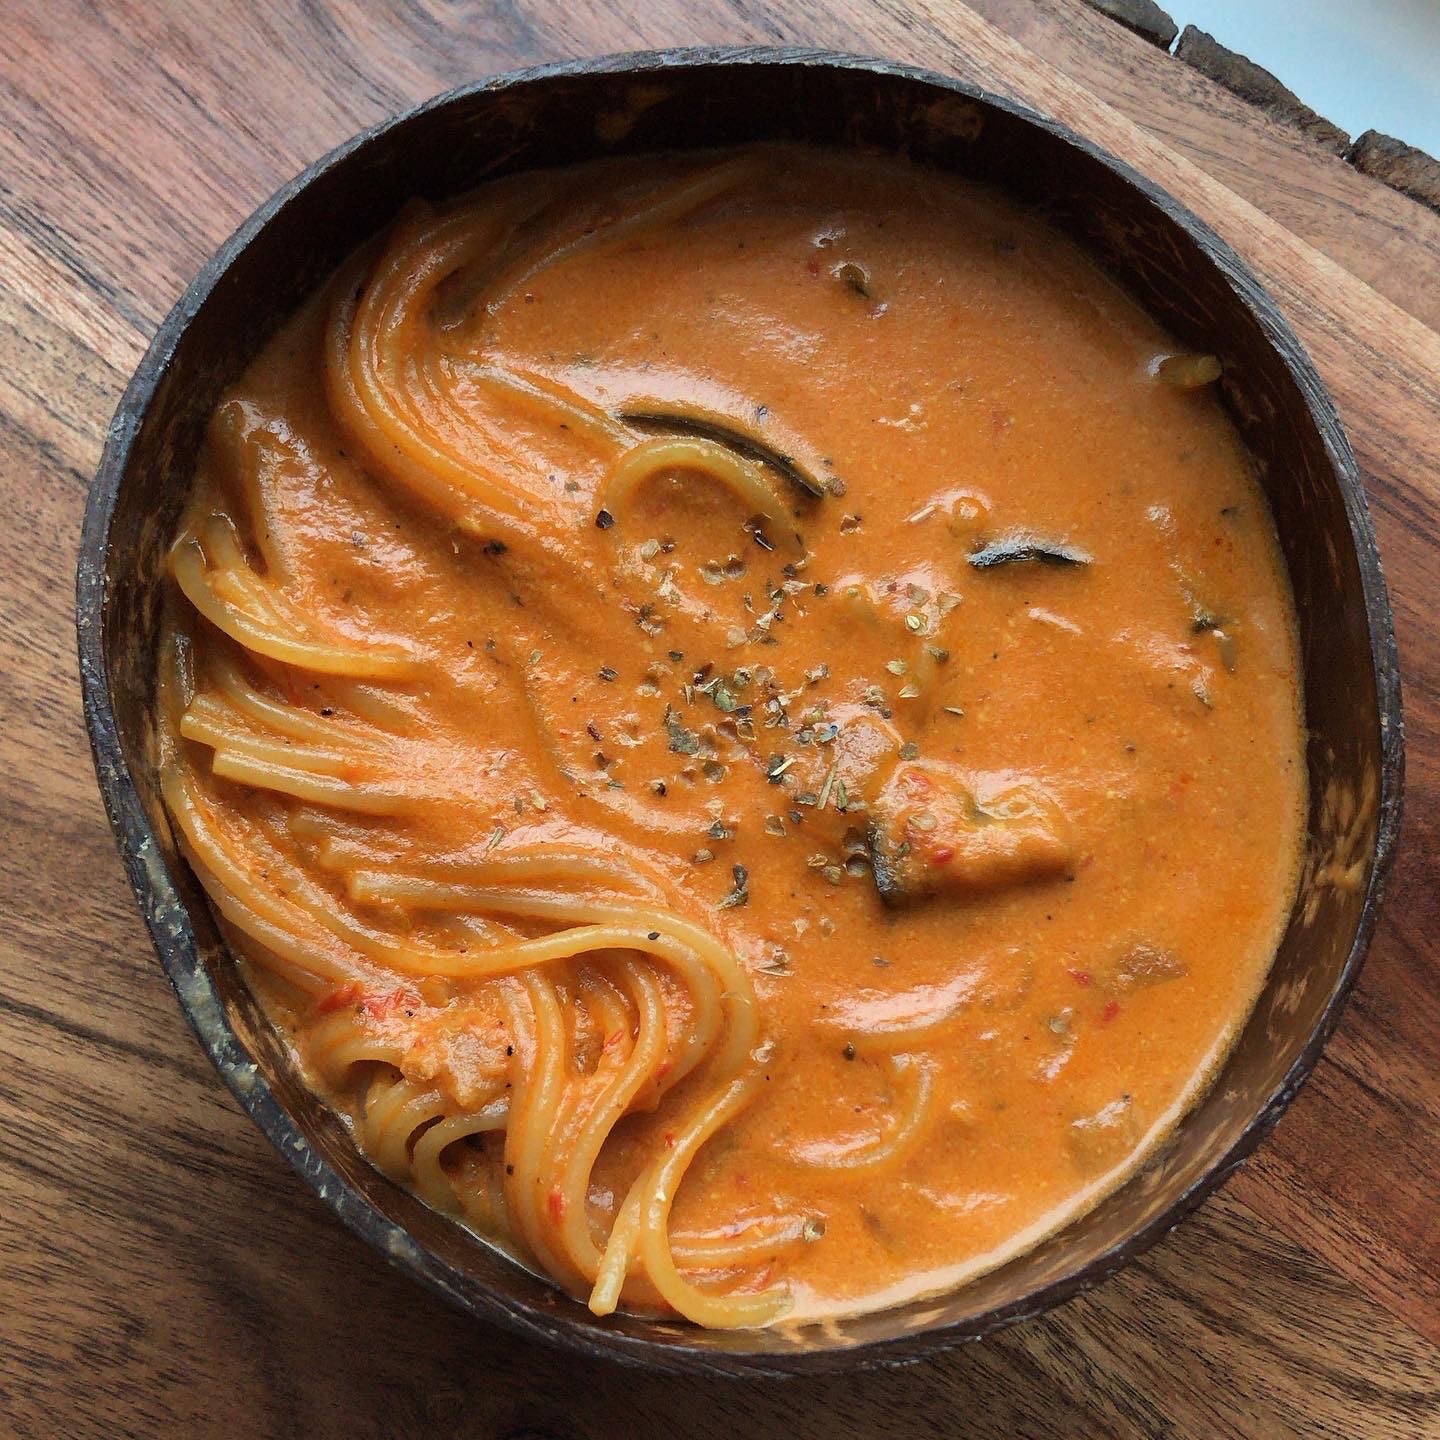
{"x": 1018, "y": 546}
{"x": 1188, "y": 372}
{"x": 934, "y": 830}
{"x": 1143, "y": 965}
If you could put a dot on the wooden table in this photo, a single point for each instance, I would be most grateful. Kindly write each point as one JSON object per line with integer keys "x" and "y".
{"x": 161, "y": 1271}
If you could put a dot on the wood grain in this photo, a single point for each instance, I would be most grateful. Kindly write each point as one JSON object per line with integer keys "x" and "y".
{"x": 161, "y": 1272}
{"x": 1383, "y": 238}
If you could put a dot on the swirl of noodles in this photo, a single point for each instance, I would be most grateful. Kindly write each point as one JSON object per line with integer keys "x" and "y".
{"x": 652, "y": 457}
{"x": 584, "y": 991}
{"x": 377, "y": 392}
{"x": 214, "y": 576}
{"x": 318, "y": 946}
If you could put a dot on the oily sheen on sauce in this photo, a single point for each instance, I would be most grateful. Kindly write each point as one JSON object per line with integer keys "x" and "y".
{"x": 742, "y": 713}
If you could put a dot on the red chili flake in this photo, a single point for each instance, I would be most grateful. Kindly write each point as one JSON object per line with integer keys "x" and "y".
{"x": 670, "y": 1139}
{"x": 340, "y": 998}
{"x": 916, "y": 784}
{"x": 613, "y": 1039}
{"x": 1111, "y": 1010}
{"x": 381, "y": 1005}
{"x": 555, "y": 1203}
{"x": 1081, "y": 977}
{"x": 943, "y": 856}
{"x": 663, "y": 1069}
{"x": 813, "y": 265}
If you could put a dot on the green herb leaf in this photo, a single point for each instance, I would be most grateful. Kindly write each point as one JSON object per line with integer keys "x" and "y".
{"x": 682, "y": 741}
{"x": 740, "y": 895}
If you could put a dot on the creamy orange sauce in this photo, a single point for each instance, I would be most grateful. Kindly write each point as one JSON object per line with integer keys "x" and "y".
{"x": 1080, "y": 785}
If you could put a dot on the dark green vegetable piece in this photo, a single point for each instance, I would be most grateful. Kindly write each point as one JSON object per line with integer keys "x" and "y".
{"x": 1019, "y": 545}
{"x": 724, "y": 432}
{"x": 884, "y": 866}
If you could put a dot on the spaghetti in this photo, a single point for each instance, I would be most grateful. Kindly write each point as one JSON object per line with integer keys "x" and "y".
{"x": 570, "y": 767}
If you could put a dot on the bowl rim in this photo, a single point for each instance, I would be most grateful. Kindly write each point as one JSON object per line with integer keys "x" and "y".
{"x": 166, "y": 915}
